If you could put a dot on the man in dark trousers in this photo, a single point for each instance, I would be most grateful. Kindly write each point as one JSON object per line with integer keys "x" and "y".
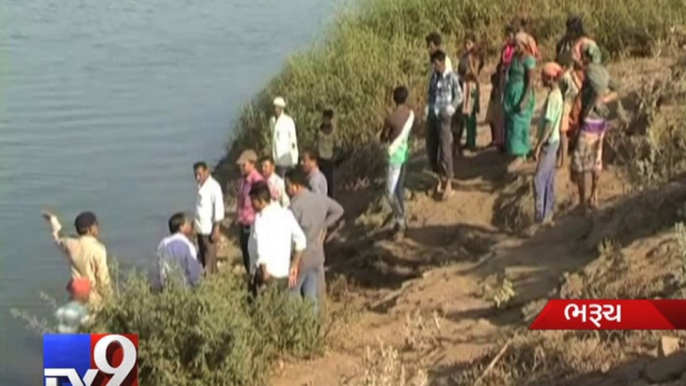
{"x": 445, "y": 96}
{"x": 209, "y": 213}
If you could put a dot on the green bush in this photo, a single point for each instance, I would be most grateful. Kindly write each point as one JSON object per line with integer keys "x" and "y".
{"x": 210, "y": 335}
{"x": 376, "y": 45}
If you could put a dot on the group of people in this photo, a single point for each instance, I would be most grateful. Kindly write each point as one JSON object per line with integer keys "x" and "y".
{"x": 284, "y": 204}
{"x": 574, "y": 116}
{"x": 284, "y": 216}
{"x": 283, "y": 213}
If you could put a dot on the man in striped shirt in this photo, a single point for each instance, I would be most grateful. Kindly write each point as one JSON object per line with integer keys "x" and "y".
{"x": 445, "y": 96}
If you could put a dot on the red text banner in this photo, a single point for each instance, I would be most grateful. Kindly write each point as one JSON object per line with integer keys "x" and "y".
{"x": 608, "y": 314}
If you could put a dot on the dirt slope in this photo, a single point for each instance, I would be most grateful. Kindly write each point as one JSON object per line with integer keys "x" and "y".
{"x": 431, "y": 294}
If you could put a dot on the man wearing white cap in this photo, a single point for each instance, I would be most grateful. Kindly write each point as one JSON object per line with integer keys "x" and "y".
{"x": 284, "y": 138}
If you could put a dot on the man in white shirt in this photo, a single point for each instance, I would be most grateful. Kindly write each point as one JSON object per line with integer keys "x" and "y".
{"x": 277, "y": 186}
{"x": 284, "y": 138}
{"x": 276, "y": 241}
{"x": 209, "y": 213}
{"x": 176, "y": 254}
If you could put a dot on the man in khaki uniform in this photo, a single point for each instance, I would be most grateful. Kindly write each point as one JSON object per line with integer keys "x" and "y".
{"x": 87, "y": 255}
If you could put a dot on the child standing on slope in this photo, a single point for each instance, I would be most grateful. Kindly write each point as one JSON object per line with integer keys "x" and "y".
{"x": 548, "y": 142}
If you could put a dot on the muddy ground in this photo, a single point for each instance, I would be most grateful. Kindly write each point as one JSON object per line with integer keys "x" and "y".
{"x": 432, "y": 295}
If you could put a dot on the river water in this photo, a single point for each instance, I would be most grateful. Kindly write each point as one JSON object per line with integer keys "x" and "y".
{"x": 104, "y": 106}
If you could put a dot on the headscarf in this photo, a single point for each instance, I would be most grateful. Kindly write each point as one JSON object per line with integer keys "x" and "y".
{"x": 508, "y": 53}
{"x": 588, "y": 46}
{"x": 552, "y": 70}
{"x": 529, "y": 42}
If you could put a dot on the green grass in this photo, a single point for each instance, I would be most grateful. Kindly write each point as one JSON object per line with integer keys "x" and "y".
{"x": 210, "y": 335}
{"x": 375, "y": 45}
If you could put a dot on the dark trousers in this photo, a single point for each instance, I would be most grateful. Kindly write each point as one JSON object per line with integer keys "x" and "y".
{"x": 327, "y": 167}
{"x": 207, "y": 251}
{"x": 243, "y": 237}
{"x": 439, "y": 144}
{"x": 257, "y": 285}
{"x": 281, "y": 170}
{"x": 395, "y": 193}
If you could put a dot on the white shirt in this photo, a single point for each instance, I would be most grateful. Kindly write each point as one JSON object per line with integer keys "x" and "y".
{"x": 278, "y": 185}
{"x": 209, "y": 209}
{"x": 272, "y": 235}
{"x": 284, "y": 140}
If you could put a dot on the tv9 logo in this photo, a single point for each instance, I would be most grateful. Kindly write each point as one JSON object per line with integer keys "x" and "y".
{"x": 90, "y": 360}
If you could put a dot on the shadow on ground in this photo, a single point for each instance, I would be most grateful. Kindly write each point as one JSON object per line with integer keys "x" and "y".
{"x": 622, "y": 375}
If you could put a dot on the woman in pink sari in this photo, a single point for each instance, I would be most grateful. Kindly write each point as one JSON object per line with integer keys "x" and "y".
{"x": 495, "y": 115}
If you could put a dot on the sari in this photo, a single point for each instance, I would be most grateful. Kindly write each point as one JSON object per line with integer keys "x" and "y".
{"x": 495, "y": 115}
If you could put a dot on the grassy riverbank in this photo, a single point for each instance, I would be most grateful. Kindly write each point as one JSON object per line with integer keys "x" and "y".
{"x": 377, "y": 44}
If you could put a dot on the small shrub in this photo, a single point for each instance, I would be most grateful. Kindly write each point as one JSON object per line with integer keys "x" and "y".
{"x": 384, "y": 367}
{"x": 651, "y": 146}
{"x": 209, "y": 335}
{"x": 419, "y": 335}
{"x": 288, "y": 325}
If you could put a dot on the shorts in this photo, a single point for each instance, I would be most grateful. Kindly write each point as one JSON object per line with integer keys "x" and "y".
{"x": 588, "y": 152}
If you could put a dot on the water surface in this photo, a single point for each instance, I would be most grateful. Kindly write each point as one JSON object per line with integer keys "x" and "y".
{"x": 104, "y": 106}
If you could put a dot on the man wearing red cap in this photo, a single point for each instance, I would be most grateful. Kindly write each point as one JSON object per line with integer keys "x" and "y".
{"x": 73, "y": 315}
{"x": 85, "y": 252}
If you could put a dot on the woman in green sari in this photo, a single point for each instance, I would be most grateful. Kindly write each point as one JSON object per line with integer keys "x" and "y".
{"x": 519, "y": 99}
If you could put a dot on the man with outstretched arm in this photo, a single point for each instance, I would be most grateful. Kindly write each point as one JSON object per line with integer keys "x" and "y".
{"x": 86, "y": 254}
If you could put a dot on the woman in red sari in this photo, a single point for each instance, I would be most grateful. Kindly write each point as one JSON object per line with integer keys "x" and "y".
{"x": 495, "y": 115}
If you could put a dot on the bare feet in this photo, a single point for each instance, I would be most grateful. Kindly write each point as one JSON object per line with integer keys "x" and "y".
{"x": 438, "y": 189}
{"x": 531, "y": 230}
{"x": 447, "y": 192}
{"x": 580, "y": 209}
{"x": 399, "y": 234}
{"x": 548, "y": 222}
{"x": 516, "y": 164}
{"x": 593, "y": 202}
